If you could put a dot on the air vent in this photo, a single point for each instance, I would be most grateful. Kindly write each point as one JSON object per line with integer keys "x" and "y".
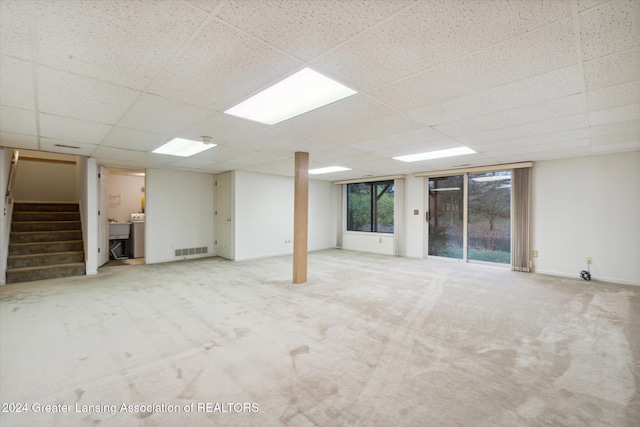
{"x": 192, "y": 251}
{"x": 66, "y": 146}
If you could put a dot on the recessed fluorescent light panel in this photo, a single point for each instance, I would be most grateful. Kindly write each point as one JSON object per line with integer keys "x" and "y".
{"x": 451, "y": 152}
{"x": 299, "y": 93}
{"x": 183, "y": 147}
{"x": 329, "y": 169}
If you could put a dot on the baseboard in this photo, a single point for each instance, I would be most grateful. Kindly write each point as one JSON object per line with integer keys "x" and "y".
{"x": 594, "y": 278}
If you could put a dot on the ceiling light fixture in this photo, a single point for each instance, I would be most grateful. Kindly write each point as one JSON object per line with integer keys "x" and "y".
{"x": 451, "y": 152}
{"x": 329, "y": 169}
{"x": 297, "y": 94}
{"x": 185, "y": 147}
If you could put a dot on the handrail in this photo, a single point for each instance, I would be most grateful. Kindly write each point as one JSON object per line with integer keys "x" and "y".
{"x": 12, "y": 172}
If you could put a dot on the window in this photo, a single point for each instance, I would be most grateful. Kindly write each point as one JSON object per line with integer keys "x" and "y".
{"x": 370, "y": 207}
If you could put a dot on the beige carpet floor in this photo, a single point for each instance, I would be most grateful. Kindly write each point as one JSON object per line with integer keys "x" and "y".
{"x": 368, "y": 341}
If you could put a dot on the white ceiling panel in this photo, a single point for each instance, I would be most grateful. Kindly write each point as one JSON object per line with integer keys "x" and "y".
{"x": 428, "y": 34}
{"x": 157, "y": 114}
{"x": 66, "y": 147}
{"x": 15, "y": 20}
{"x": 533, "y": 90}
{"x": 78, "y": 97}
{"x": 106, "y": 155}
{"x": 121, "y": 77}
{"x": 223, "y": 128}
{"x": 132, "y": 139}
{"x": 612, "y": 70}
{"x": 578, "y": 121}
{"x": 17, "y": 83}
{"x": 548, "y": 110}
{"x": 613, "y": 96}
{"x": 18, "y": 140}
{"x": 549, "y": 48}
{"x": 615, "y": 115}
{"x": 67, "y": 129}
{"x": 374, "y": 129}
{"x": 312, "y": 28}
{"x": 344, "y": 113}
{"x": 16, "y": 120}
{"x": 92, "y": 38}
{"x": 609, "y": 28}
{"x": 225, "y": 66}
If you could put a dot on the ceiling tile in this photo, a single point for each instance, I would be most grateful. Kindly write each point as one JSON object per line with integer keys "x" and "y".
{"x": 528, "y": 150}
{"x": 94, "y": 38}
{"x": 266, "y": 139}
{"x": 588, "y": 4}
{"x": 16, "y": 120}
{"x": 311, "y": 27}
{"x": 540, "y": 51}
{"x": 603, "y": 131}
{"x": 257, "y": 158}
{"x": 64, "y": 128}
{"x": 548, "y": 110}
{"x": 225, "y": 66}
{"x": 619, "y": 147}
{"x": 612, "y": 70}
{"x": 223, "y": 128}
{"x": 341, "y": 114}
{"x": 547, "y": 138}
{"x": 66, "y": 147}
{"x": 609, "y": 28}
{"x": 157, "y": 114}
{"x": 15, "y": 140}
{"x": 78, "y": 97}
{"x": 529, "y": 129}
{"x": 536, "y": 89}
{"x": 151, "y": 160}
{"x": 108, "y": 154}
{"x": 428, "y": 34}
{"x": 405, "y": 140}
{"x": 193, "y": 163}
{"x": 613, "y": 96}
{"x": 17, "y": 83}
{"x": 615, "y": 115}
{"x": 131, "y": 139}
{"x": 15, "y": 28}
{"x": 222, "y": 153}
{"x": 374, "y": 129}
{"x": 318, "y": 150}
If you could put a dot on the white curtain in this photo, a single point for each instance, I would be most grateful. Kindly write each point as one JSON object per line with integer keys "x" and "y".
{"x": 521, "y": 193}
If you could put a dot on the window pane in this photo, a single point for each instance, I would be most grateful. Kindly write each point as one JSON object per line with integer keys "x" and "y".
{"x": 489, "y": 228}
{"x": 384, "y": 208}
{"x": 446, "y": 216}
{"x": 359, "y": 207}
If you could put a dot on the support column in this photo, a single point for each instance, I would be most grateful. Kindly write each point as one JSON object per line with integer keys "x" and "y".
{"x": 301, "y": 218}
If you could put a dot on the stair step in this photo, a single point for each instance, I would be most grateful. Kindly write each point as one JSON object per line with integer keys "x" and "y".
{"x": 35, "y": 260}
{"x": 27, "y": 274}
{"x": 29, "y": 216}
{"x": 45, "y": 236}
{"x": 45, "y": 247}
{"x": 45, "y": 226}
{"x": 45, "y": 207}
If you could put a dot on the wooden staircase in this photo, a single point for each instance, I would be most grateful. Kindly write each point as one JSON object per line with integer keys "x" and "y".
{"x": 45, "y": 242}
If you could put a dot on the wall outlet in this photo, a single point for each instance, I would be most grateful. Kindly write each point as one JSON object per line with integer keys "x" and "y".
{"x": 535, "y": 254}
{"x": 589, "y": 260}
{"x": 416, "y": 212}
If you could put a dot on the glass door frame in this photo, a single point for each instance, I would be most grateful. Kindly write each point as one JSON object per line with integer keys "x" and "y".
{"x": 465, "y": 216}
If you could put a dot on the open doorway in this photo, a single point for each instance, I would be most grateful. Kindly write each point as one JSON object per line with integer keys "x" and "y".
{"x": 121, "y": 216}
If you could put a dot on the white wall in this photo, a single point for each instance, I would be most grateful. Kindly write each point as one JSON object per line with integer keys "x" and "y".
{"x": 5, "y": 211}
{"x": 264, "y": 215}
{"x": 44, "y": 181}
{"x": 87, "y": 195}
{"x": 179, "y": 208}
{"x": 588, "y": 206}
{"x": 414, "y": 225}
{"x": 125, "y": 196}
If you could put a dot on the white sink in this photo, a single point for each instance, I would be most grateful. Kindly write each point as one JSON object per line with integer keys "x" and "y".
{"x": 119, "y": 230}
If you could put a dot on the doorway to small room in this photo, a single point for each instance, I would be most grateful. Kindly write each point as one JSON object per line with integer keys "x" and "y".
{"x": 121, "y": 215}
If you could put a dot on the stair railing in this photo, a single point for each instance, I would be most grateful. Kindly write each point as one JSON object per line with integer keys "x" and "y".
{"x": 12, "y": 175}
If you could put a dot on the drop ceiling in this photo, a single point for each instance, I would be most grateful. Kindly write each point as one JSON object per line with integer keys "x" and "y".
{"x": 513, "y": 80}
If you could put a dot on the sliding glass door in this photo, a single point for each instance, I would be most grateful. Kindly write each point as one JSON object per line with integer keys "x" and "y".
{"x": 446, "y": 216}
{"x": 470, "y": 217}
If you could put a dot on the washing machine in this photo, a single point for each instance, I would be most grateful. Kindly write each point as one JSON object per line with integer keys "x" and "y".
{"x": 137, "y": 235}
